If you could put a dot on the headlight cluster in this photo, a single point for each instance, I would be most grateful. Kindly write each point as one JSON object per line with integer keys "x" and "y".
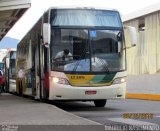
{"x": 60, "y": 80}
{"x": 119, "y": 80}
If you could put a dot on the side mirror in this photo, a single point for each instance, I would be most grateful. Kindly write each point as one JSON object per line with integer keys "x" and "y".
{"x": 131, "y": 31}
{"x": 7, "y": 63}
{"x": 46, "y": 33}
{"x": 119, "y": 47}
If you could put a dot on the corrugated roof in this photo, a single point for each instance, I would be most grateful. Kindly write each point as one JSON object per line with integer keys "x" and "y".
{"x": 141, "y": 13}
{"x": 10, "y": 12}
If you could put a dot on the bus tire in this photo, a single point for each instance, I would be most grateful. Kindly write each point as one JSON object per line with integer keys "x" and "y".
{"x": 20, "y": 87}
{"x": 100, "y": 103}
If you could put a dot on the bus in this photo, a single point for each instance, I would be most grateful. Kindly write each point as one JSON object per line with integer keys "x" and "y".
{"x": 95, "y": 39}
{"x": 10, "y": 71}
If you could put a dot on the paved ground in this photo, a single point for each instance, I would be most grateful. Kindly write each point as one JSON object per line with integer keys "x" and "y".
{"x": 18, "y": 113}
{"x": 112, "y": 114}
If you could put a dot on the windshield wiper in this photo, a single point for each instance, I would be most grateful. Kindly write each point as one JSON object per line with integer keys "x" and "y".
{"x": 81, "y": 56}
{"x": 104, "y": 65}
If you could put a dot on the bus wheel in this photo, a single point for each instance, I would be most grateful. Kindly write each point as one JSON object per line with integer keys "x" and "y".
{"x": 100, "y": 103}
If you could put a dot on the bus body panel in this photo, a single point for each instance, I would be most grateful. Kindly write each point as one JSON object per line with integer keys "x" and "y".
{"x": 68, "y": 92}
{"x": 12, "y": 85}
{"x": 59, "y": 92}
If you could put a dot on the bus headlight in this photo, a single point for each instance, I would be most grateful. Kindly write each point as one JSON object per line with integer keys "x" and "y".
{"x": 119, "y": 80}
{"x": 60, "y": 80}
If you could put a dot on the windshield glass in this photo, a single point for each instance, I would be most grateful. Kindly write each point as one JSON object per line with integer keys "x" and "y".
{"x": 1, "y": 66}
{"x": 81, "y": 50}
{"x": 85, "y": 18}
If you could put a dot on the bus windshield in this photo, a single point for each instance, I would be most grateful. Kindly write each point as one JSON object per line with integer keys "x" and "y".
{"x": 91, "y": 39}
{"x": 89, "y": 50}
{"x": 1, "y": 65}
{"x": 85, "y": 18}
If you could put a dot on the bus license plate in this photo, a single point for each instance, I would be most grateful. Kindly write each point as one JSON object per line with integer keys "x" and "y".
{"x": 90, "y": 92}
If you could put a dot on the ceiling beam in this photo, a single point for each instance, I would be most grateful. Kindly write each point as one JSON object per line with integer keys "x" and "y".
{"x": 4, "y": 26}
{"x": 7, "y": 18}
{"x": 14, "y": 4}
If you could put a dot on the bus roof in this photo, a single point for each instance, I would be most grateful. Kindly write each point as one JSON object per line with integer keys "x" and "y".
{"x": 82, "y": 7}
